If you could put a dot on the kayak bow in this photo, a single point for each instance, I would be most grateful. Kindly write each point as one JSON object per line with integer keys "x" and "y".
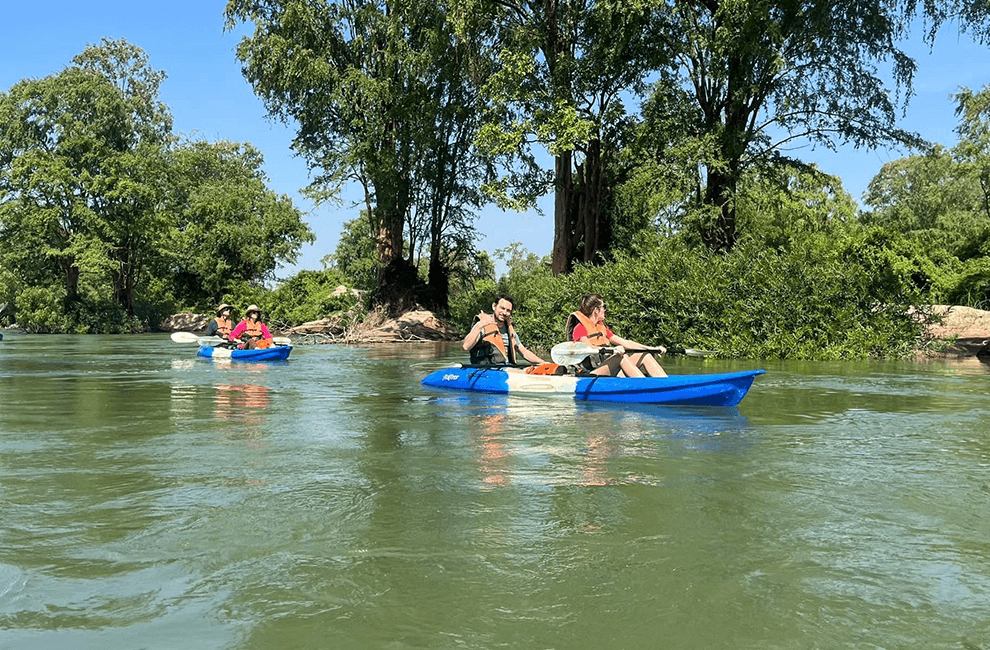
{"x": 723, "y": 389}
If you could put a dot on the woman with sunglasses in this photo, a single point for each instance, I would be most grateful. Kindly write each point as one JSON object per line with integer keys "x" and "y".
{"x": 587, "y": 325}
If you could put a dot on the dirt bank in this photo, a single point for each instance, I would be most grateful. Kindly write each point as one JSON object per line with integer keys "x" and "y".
{"x": 967, "y": 331}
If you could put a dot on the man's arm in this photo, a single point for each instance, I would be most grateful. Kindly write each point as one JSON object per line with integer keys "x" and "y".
{"x": 474, "y": 335}
{"x": 528, "y": 355}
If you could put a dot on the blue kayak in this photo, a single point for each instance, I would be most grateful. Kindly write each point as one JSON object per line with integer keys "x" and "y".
{"x": 724, "y": 389}
{"x": 274, "y": 353}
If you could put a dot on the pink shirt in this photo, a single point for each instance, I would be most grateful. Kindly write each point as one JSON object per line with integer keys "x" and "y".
{"x": 581, "y": 331}
{"x": 242, "y": 326}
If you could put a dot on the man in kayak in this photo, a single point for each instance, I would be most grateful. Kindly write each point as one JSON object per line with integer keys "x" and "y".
{"x": 587, "y": 325}
{"x": 493, "y": 341}
{"x": 251, "y": 332}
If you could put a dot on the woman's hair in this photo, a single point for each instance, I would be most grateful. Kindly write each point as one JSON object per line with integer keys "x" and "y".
{"x": 590, "y": 302}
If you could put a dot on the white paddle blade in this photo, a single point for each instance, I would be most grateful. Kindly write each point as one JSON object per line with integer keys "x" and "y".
{"x": 185, "y": 337}
{"x": 692, "y": 352}
{"x": 209, "y": 341}
{"x": 281, "y": 340}
{"x": 571, "y": 353}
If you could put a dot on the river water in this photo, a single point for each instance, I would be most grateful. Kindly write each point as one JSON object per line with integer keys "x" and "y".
{"x": 151, "y": 499}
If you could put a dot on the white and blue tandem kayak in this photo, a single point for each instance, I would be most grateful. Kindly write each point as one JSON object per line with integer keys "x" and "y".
{"x": 722, "y": 389}
{"x": 274, "y": 353}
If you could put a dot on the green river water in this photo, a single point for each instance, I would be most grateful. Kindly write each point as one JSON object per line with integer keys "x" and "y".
{"x": 151, "y": 499}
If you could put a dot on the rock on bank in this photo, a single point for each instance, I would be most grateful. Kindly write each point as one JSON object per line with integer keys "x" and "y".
{"x": 415, "y": 325}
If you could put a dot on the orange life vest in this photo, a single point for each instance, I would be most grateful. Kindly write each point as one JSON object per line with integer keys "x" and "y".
{"x": 491, "y": 337}
{"x": 597, "y": 333}
{"x": 224, "y": 326}
{"x": 253, "y": 330}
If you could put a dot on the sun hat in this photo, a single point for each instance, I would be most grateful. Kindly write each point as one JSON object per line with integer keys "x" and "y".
{"x": 224, "y": 306}
{"x": 251, "y": 308}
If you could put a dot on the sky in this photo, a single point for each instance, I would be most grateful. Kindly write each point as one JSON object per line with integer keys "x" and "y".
{"x": 209, "y": 98}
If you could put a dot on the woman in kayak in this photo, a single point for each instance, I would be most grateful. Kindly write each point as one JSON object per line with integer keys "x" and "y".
{"x": 251, "y": 332}
{"x": 221, "y": 326}
{"x": 587, "y": 325}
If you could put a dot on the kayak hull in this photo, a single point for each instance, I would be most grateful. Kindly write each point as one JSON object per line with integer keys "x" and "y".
{"x": 723, "y": 389}
{"x": 274, "y": 353}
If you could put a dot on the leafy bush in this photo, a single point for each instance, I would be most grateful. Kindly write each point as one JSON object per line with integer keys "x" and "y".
{"x": 821, "y": 299}
{"x": 309, "y": 296}
{"x": 41, "y": 310}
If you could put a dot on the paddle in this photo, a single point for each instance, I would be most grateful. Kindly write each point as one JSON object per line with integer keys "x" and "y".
{"x": 185, "y": 337}
{"x": 210, "y": 341}
{"x": 574, "y": 352}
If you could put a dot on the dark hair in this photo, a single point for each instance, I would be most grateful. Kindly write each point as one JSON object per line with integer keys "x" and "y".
{"x": 590, "y": 302}
{"x": 506, "y": 297}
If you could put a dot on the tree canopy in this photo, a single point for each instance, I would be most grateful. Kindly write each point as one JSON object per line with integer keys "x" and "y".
{"x": 100, "y": 205}
{"x": 379, "y": 93}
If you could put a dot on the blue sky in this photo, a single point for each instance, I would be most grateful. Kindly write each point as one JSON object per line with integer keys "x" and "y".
{"x": 209, "y": 98}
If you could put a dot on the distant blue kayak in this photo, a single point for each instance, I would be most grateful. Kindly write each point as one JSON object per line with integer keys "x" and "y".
{"x": 274, "y": 353}
{"x": 724, "y": 389}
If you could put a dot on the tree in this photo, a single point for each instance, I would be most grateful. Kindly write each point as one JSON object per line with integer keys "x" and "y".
{"x": 763, "y": 73}
{"x": 229, "y": 228}
{"x": 561, "y": 68}
{"x": 355, "y": 255}
{"x": 81, "y": 169}
{"x": 782, "y": 205}
{"x": 375, "y": 88}
{"x": 973, "y": 149}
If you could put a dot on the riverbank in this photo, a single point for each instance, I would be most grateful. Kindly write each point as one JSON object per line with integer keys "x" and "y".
{"x": 419, "y": 325}
{"x": 957, "y": 331}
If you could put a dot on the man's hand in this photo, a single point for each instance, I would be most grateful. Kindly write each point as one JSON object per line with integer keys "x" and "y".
{"x": 484, "y": 320}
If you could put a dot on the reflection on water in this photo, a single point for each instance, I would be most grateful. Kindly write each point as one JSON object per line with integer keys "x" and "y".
{"x": 590, "y": 441}
{"x": 155, "y": 500}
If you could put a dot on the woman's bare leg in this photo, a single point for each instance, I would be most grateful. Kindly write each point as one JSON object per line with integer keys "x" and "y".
{"x": 652, "y": 366}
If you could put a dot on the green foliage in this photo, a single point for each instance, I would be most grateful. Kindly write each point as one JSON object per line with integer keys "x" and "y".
{"x": 381, "y": 95}
{"x": 787, "y": 203}
{"x": 355, "y": 256}
{"x": 230, "y": 227}
{"x": 41, "y": 310}
{"x": 761, "y": 75}
{"x": 100, "y": 205}
{"x": 939, "y": 203}
{"x": 308, "y": 296}
{"x": 821, "y": 299}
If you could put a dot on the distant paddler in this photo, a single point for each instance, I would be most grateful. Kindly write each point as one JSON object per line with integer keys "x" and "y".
{"x": 251, "y": 333}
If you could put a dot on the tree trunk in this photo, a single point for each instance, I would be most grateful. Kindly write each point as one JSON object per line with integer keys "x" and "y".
{"x": 589, "y": 202}
{"x": 71, "y": 278}
{"x": 579, "y": 234}
{"x": 720, "y": 234}
{"x": 563, "y": 226}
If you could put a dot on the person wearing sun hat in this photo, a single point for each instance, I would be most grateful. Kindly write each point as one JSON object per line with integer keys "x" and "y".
{"x": 251, "y": 333}
{"x": 222, "y": 325}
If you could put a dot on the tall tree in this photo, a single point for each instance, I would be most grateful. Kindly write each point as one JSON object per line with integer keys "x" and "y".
{"x": 973, "y": 149}
{"x": 371, "y": 85}
{"x": 764, "y": 73}
{"x": 228, "y": 227}
{"x": 81, "y": 167}
{"x": 562, "y": 71}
